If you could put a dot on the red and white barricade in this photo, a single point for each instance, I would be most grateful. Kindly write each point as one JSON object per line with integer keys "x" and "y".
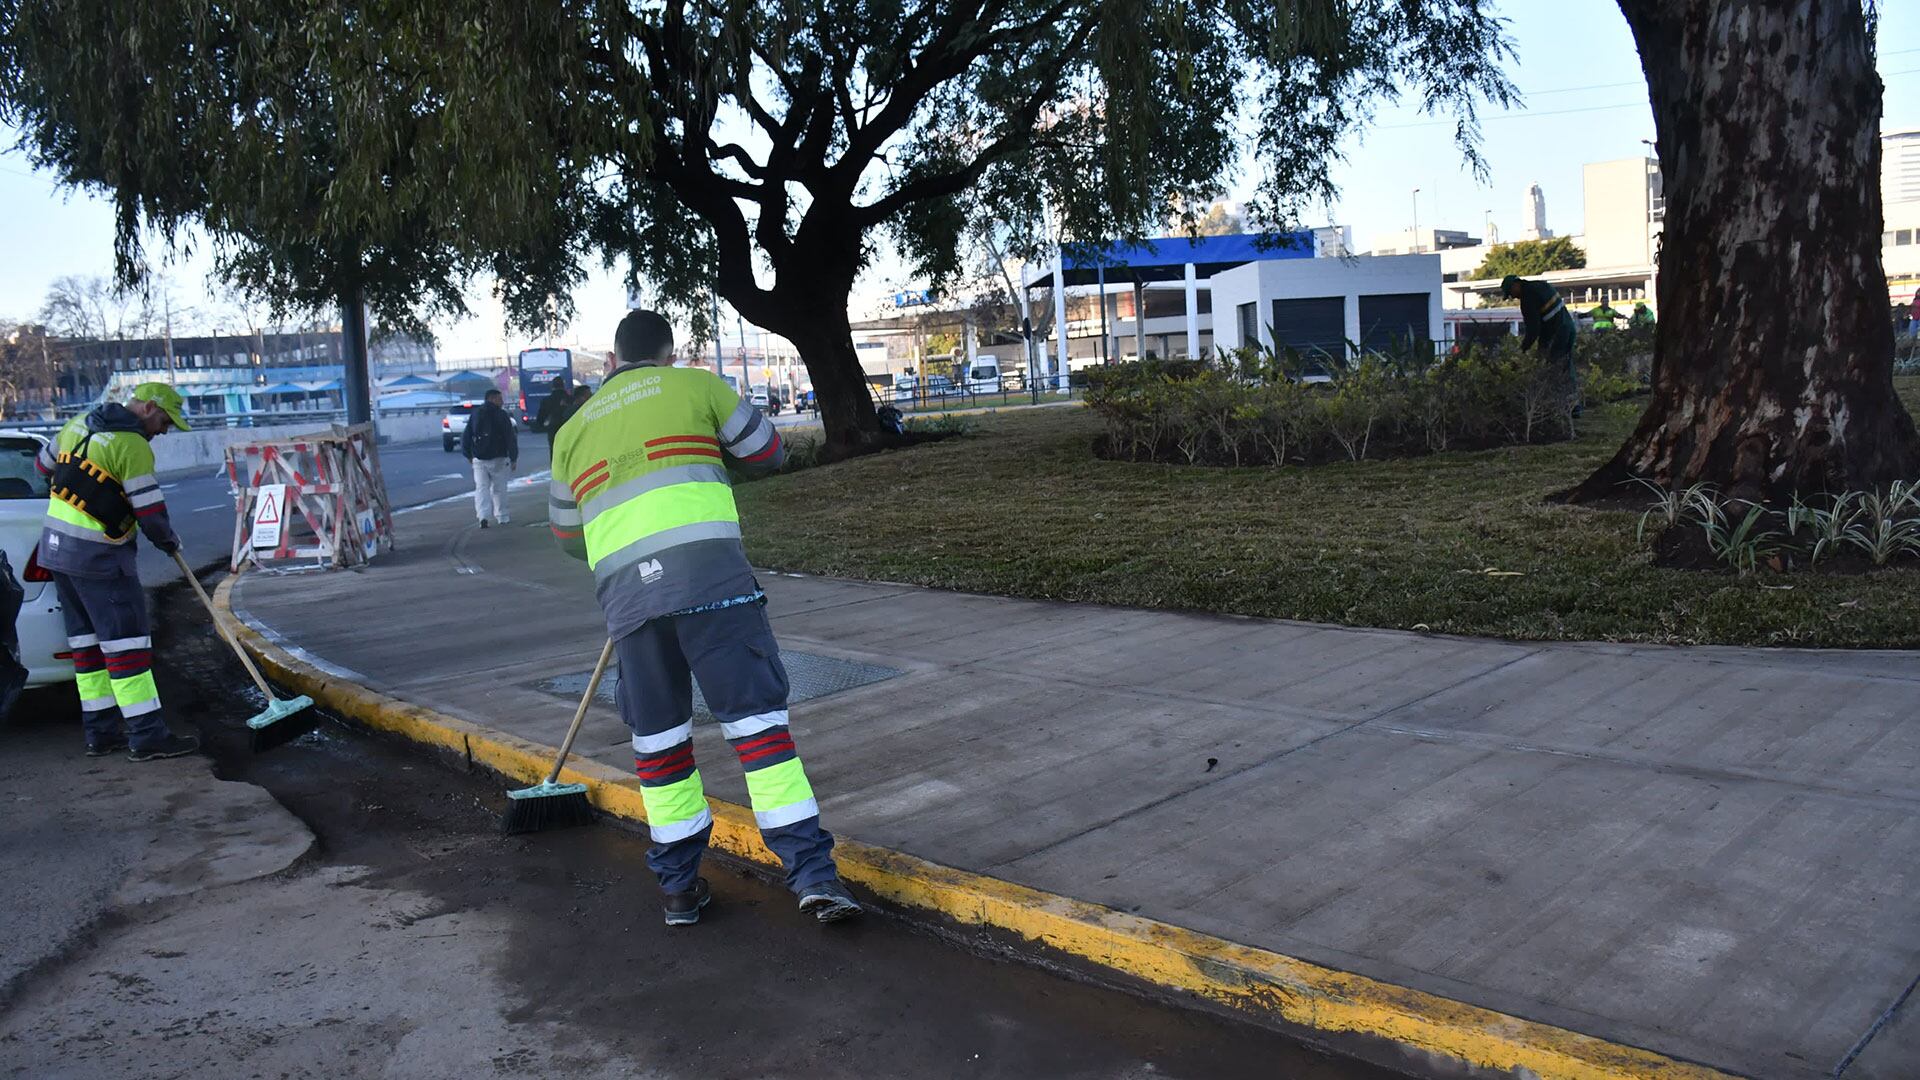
{"x": 313, "y": 501}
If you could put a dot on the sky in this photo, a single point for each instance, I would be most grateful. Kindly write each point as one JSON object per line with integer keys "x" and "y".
{"x": 1584, "y": 99}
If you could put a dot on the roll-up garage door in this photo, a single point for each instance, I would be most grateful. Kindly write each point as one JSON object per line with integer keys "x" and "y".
{"x": 1314, "y": 325}
{"x": 1392, "y": 319}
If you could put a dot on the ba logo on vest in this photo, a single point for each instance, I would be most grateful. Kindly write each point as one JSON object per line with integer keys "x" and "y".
{"x": 650, "y": 571}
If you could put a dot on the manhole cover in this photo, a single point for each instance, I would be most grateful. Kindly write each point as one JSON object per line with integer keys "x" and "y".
{"x": 809, "y": 676}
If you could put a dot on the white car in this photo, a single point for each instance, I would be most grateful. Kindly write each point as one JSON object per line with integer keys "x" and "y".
{"x": 454, "y": 424}
{"x": 23, "y": 510}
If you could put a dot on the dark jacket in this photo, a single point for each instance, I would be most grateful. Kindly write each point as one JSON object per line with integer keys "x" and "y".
{"x": 1544, "y": 313}
{"x": 490, "y": 435}
{"x": 554, "y": 411}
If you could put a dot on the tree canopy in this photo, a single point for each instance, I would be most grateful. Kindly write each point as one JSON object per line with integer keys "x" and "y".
{"x": 1528, "y": 257}
{"x": 763, "y": 146}
{"x": 325, "y": 149}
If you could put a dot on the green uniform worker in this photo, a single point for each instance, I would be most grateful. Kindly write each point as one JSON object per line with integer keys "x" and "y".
{"x": 99, "y": 470}
{"x": 1547, "y": 321}
{"x": 1604, "y": 316}
{"x": 1642, "y": 318}
{"x": 640, "y": 492}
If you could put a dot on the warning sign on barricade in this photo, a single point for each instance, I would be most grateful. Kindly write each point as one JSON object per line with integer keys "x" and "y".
{"x": 310, "y": 501}
{"x": 268, "y": 506}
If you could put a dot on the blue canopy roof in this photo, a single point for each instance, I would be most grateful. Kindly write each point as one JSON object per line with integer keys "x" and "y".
{"x": 408, "y": 382}
{"x": 282, "y": 388}
{"x": 1165, "y": 258}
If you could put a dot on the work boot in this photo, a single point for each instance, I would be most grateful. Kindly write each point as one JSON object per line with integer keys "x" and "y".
{"x": 683, "y": 908}
{"x": 504, "y": 519}
{"x": 170, "y": 747}
{"x": 829, "y": 901}
{"x": 483, "y": 523}
{"x": 107, "y": 747}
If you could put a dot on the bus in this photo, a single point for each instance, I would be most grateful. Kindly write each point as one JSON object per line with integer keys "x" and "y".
{"x": 538, "y": 367}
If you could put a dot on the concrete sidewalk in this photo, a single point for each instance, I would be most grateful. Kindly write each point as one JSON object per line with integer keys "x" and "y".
{"x": 1707, "y": 853}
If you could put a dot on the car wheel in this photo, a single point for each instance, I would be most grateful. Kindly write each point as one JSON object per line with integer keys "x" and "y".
{"x": 446, "y": 444}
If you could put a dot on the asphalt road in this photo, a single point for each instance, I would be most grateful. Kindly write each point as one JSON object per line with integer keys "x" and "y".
{"x": 180, "y": 932}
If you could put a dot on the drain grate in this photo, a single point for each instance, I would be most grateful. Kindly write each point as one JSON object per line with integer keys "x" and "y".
{"x": 809, "y": 676}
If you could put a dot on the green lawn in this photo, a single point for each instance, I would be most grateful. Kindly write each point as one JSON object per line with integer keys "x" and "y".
{"x": 1022, "y": 508}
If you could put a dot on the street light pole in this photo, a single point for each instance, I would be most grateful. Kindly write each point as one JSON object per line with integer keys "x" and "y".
{"x": 1416, "y": 221}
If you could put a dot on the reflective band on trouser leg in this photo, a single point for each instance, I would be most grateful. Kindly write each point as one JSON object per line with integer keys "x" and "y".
{"x": 90, "y": 673}
{"x": 90, "y": 678}
{"x": 780, "y": 793}
{"x": 676, "y": 811}
{"x": 136, "y": 693}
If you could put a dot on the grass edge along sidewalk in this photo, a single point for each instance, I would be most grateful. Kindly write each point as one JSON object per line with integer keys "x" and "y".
{"x": 1265, "y": 986}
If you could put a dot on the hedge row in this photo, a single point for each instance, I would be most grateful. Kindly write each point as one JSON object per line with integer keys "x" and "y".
{"x": 1249, "y": 408}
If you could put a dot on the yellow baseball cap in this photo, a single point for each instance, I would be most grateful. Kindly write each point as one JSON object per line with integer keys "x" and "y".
{"x": 164, "y": 396}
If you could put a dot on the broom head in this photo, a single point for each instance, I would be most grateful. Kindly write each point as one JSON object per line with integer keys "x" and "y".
{"x": 281, "y": 722}
{"x": 546, "y": 806}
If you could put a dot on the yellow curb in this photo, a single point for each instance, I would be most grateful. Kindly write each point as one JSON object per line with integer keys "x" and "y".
{"x": 1239, "y": 976}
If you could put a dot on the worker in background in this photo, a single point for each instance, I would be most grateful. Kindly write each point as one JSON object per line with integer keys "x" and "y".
{"x": 640, "y": 492}
{"x": 492, "y": 444}
{"x": 99, "y": 469}
{"x": 554, "y": 410}
{"x": 1546, "y": 320}
{"x": 1604, "y": 316}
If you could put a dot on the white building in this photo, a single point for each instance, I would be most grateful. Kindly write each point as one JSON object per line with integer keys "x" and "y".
{"x": 1900, "y": 195}
{"x": 1624, "y": 208}
{"x": 1417, "y": 241}
{"x": 1900, "y": 166}
{"x": 1320, "y": 305}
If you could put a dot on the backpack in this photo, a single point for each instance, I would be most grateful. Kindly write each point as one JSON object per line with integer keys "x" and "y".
{"x": 486, "y": 443}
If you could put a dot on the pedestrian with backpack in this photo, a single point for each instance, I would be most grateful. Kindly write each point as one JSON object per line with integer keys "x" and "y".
{"x": 493, "y": 445}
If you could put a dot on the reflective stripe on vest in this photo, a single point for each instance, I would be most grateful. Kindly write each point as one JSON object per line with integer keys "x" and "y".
{"x": 1559, "y": 305}
{"x": 633, "y": 527}
{"x": 641, "y": 465}
{"x": 80, "y": 524}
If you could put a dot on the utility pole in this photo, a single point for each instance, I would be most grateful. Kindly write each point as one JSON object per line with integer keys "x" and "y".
{"x": 167, "y": 302}
{"x": 719, "y": 361}
{"x": 746, "y": 376}
{"x": 1416, "y": 221}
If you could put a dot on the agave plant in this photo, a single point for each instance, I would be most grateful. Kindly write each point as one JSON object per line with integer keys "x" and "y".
{"x": 1669, "y": 505}
{"x": 1827, "y": 527}
{"x": 1887, "y": 523}
{"x": 1741, "y": 544}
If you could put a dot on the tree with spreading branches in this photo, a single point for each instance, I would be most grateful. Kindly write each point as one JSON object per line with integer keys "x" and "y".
{"x": 335, "y": 155}
{"x": 767, "y": 149}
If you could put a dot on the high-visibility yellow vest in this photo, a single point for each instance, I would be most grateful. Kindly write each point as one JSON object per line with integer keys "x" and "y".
{"x": 640, "y": 490}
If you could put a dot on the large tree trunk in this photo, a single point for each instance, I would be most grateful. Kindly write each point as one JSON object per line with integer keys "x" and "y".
{"x": 1773, "y": 369}
{"x": 825, "y": 341}
{"x": 808, "y": 306}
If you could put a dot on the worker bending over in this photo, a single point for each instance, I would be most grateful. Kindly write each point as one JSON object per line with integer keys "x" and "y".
{"x": 640, "y": 491}
{"x": 1547, "y": 321}
{"x": 100, "y": 472}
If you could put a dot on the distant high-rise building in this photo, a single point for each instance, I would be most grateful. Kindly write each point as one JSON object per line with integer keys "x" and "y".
{"x": 1900, "y": 166}
{"x": 1534, "y": 216}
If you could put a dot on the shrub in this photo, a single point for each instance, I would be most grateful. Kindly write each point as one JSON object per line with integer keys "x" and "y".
{"x": 1251, "y": 406}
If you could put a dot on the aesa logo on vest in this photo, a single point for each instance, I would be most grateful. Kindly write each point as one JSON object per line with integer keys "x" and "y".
{"x": 650, "y": 571}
